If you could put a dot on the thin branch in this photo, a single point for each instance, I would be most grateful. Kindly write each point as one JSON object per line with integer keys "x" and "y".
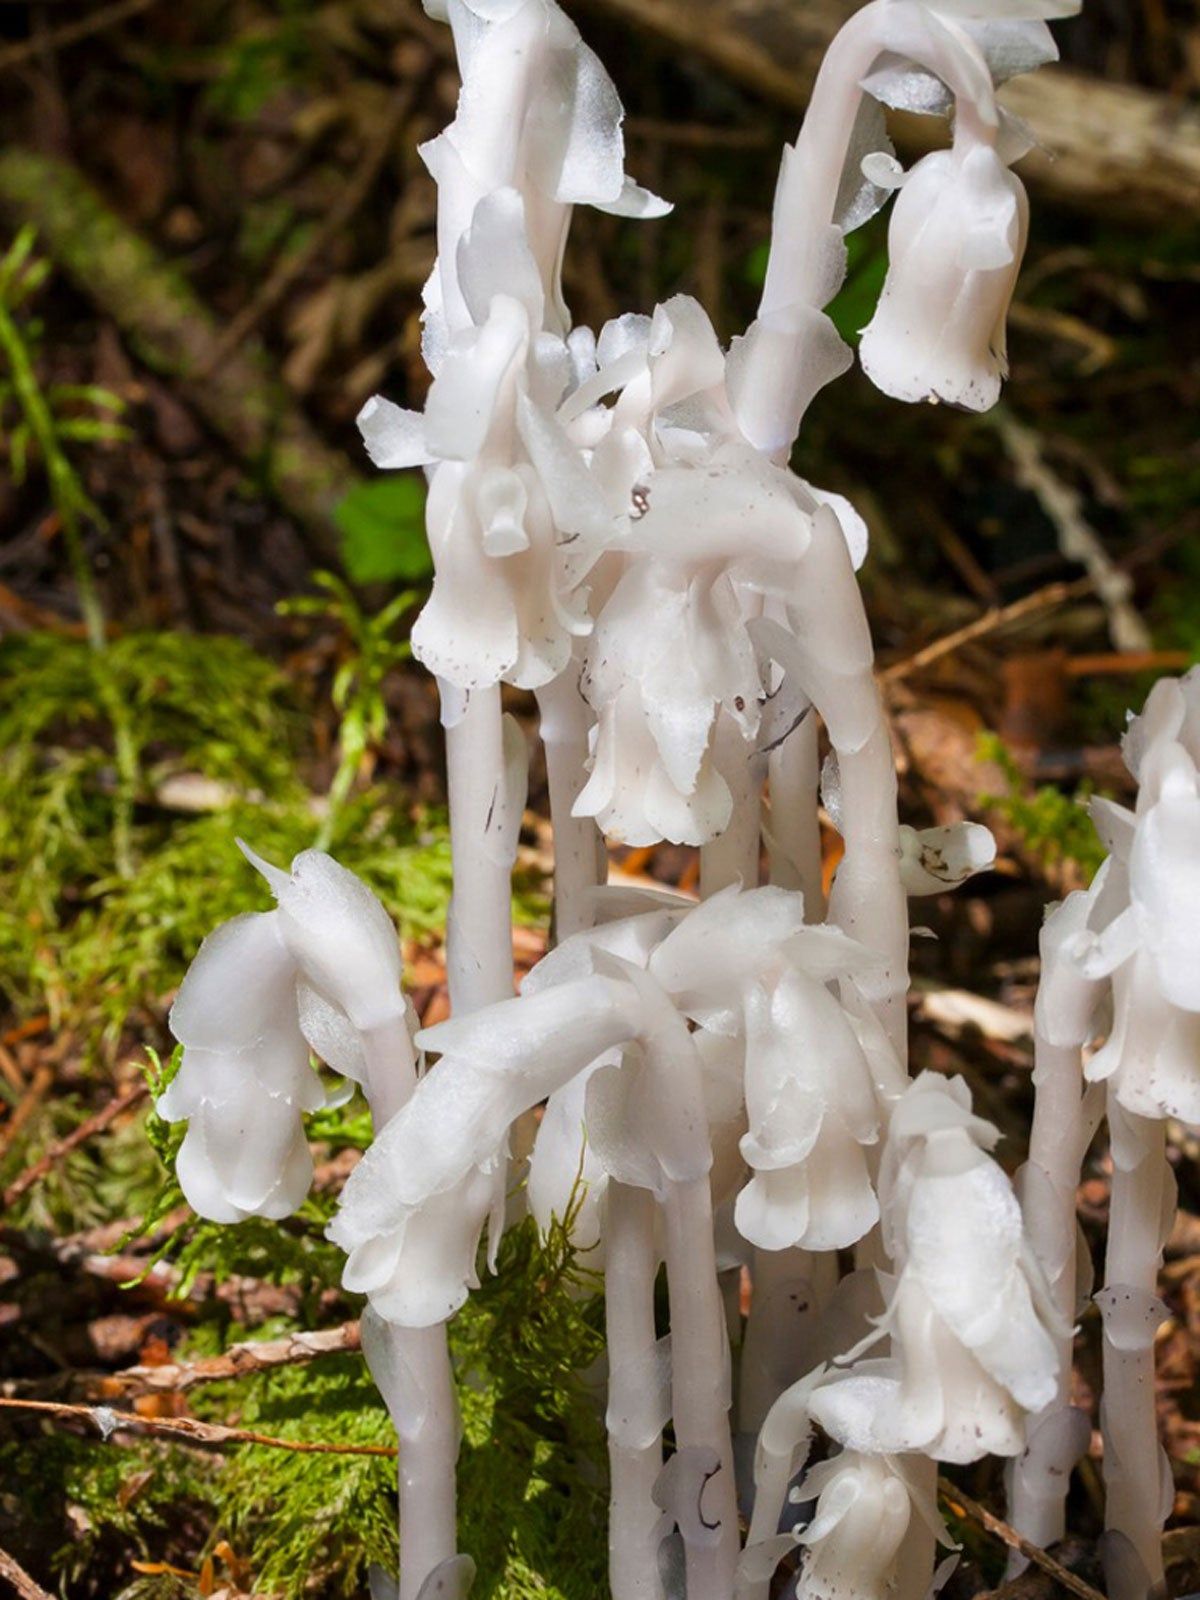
{"x": 71, "y": 1141}
{"x": 963, "y": 1505}
{"x": 72, "y": 32}
{"x": 237, "y": 1362}
{"x": 185, "y": 1430}
{"x": 991, "y": 621}
{"x": 12, "y": 1573}
{"x": 27, "y": 1105}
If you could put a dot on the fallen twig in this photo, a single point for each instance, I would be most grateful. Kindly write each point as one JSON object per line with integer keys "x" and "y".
{"x": 27, "y": 1105}
{"x": 237, "y": 1362}
{"x": 963, "y": 1505}
{"x": 995, "y": 618}
{"x": 185, "y": 1430}
{"x": 14, "y": 55}
{"x": 1077, "y": 539}
{"x": 71, "y": 1141}
{"x": 15, "y": 1574}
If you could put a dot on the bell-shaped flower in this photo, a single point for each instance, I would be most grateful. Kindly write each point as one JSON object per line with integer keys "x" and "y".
{"x": 414, "y": 1209}
{"x": 671, "y": 649}
{"x": 245, "y": 1079}
{"x": 955, "y": 243}
{"x": 514, "y": 518}
{"x": 812, "y": 1112}
{"x": 972, "y": 1326}
{"x": 538, "y": 113}
{"x": 1141, "y": 929}
{"x": 869, "y": 1532}
{"x": 320, "y": 973}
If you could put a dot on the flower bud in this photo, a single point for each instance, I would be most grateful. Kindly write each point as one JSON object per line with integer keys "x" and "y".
{"x": 956, "y": 240}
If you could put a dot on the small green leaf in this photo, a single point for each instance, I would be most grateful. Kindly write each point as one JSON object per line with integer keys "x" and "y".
{"x": 383, "y": 530}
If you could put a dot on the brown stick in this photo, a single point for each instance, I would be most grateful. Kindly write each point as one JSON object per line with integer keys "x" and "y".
{"x": 962, "y": 1504}
{"x": 292, "y": 268}
{"x": 20, "y": 1579}
{"x": 71, "y": 1141}
{"x": 237, "y": 1362}
{"x": 996, "y": 617}
{"x": 27, "y": 1105}
{"x": 185, "y": 1430}
{"x": 72, "y": 32}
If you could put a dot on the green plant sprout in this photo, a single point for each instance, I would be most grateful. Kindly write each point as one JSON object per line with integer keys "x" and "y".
{"x": 372, "y": 650}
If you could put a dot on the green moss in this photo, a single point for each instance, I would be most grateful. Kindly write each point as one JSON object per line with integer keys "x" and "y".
{"x": 1055, "y": 827}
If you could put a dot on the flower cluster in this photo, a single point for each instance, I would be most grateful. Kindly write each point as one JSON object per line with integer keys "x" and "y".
{"x": 715, "y": 1087}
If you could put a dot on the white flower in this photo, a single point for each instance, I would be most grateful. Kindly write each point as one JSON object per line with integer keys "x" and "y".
{"x": 321, "y": 972}
{"x": 972, "y": 1327}
{"x": 868, "y": 1531}
{"x": 412, "y": 1212}
{"x": 812, "y": 1111}
{"x": 245, "y": 1079}
{"x": 1142, "y": 925}
{"x": 955, "y": 243}
{"x": 515, "y": 520}
{"x": 538, "y": 113}
{"x": 671, "y": 648}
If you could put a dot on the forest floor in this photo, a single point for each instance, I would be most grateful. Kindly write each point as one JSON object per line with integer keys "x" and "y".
{"x": 1031, "y": 573}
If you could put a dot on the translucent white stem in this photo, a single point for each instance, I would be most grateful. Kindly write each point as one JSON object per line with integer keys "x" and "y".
{"x": 418, "y": 1364}
{"x": 1133, "y": 1457}
{"x": 635, "y": 1431}
{"x": 795, "y": 777}
{"x": 868, "y": 899}
{"x": 782, "y": 1340}
{"x": 580, "y": 863}
{"x": 479, "y": 956}
{"x": 700, "y": 1386}
{"x": 1038, "y": 1499}
{"x": 733, "y": 857}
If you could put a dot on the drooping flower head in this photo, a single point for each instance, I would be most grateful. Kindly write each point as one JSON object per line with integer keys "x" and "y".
{"x": 971, "y": 1324}
{"x": 320, "y": 973}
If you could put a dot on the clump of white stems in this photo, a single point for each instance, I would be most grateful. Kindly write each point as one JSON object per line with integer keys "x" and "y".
{"x": 723, "y": 1084}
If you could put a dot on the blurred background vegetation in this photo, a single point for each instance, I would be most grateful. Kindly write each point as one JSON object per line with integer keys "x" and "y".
{"x": 214, "y": 226}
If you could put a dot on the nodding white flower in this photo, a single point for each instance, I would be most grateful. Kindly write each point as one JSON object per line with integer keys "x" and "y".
{"x": 972, "y": 1326}
{"x": 514, "y": 518}
{"x": 955, "y": 243}
{"x": 537, "y": 112}
{"x": 1142, "y": 927}
{"x": 813, "y": 1112}
{"x": 785, "y": 1070}
{"x": 671, "y": 650}
{"x": 321, "y": 972}
{"x": 869, "y": 1531}
{"x": 245, "y": 1079}
{"x": 413, "y": 1211}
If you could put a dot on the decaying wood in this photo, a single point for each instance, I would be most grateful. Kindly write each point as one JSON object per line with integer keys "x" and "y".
{"x": 173, "y": 333}
{"x": 1128, "y": 152}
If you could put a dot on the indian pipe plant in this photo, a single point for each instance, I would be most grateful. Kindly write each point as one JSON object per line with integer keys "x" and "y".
{"x": 724, "y": 1084}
